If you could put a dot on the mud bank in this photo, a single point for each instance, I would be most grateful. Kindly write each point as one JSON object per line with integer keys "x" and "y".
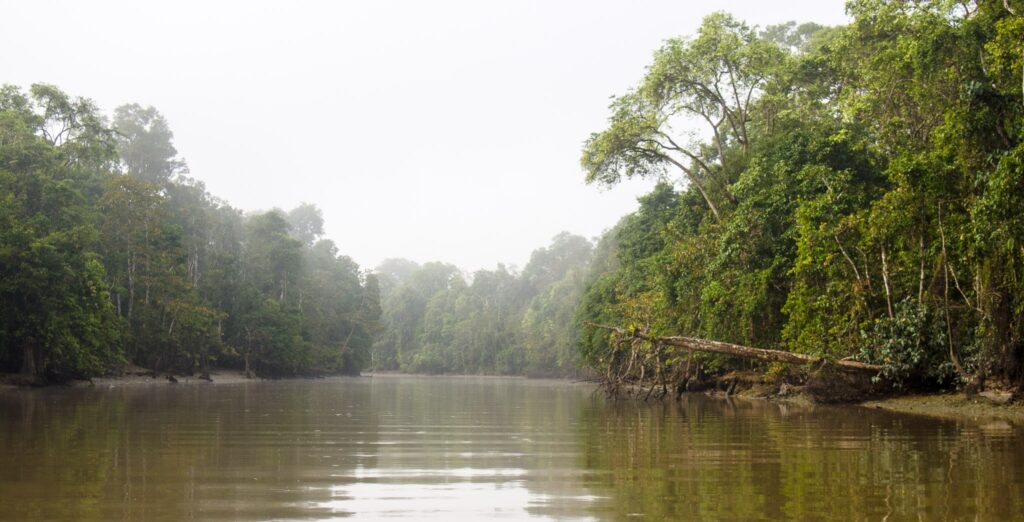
{"x": 956, "y": 406}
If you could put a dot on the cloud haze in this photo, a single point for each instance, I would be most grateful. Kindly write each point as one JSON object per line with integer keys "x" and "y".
{"x": 426, "y": 130}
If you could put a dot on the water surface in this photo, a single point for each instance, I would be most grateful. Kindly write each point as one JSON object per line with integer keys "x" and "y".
{"x": 481, "y": 448}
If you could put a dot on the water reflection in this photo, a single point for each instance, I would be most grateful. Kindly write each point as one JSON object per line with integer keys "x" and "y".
{"x": 707, "y": 459}
{"x": 478, "y": 448}
{"x": 470, "y": 449}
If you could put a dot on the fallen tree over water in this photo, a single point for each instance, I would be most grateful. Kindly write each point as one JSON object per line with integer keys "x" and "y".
{"x": 638, "y": 360}
{"x": 736, "y": 350}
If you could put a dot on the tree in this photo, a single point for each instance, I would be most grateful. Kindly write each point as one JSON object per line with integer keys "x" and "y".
{"x": 713, "y": 80}
{"x": 56, "y": 317}
{"x": 269, "y": 313}
{"x": 340, "y": 313}
{"x": 307, "y": 222}
{"x": 145, "y": 145}
{"x": 871, "y": 184}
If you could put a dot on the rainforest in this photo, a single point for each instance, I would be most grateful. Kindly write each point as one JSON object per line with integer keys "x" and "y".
{"x": 847, "y": 192}
{"x": 419, "y": 264}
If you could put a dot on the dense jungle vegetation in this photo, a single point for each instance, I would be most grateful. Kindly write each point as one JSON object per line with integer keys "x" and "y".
{"x": 110, "y": 253}
{"x": 846, "y": 192}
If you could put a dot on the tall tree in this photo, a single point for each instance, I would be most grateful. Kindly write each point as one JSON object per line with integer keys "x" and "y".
{"x": 712, "y": 81}
{"x": 145, "y": 144}
{"x": 307, "y": 222}
{"x": 55, "y": 314}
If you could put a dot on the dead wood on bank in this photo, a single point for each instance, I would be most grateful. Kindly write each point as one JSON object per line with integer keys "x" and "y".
{"x": 643, "y": 370}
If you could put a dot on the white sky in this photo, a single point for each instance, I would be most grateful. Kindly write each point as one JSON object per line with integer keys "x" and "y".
{"x": 431, "y": 130}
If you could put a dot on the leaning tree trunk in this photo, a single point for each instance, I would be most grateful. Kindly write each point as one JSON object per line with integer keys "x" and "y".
{"x": 745, "y": 352}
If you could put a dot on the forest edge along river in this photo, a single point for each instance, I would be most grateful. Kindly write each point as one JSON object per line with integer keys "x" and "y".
{"x": 747, "y": 385}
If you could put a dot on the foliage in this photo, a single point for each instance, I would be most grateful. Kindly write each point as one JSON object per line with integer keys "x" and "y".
{"x": 909, "y": 344}
{"x": 110, "y": 253}
{"x": 55, "y": 318}
{"x": 866, "y": 207}
{"x": 498, "y": 321}
{"x": 843, "y": 192}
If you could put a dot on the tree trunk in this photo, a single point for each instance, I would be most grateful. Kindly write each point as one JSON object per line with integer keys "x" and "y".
{"x": 885, "y": 282}
{"x": 920, "y": 278}
{"x": 248, "y": 352}
{"x": 945, "y": 304}
{"x": 204, "y": 364}
{"x": 1010, "y": 350}
{"x": 692, "y": 178}
{"x": 28, "y": 360}
{"x": 746, "y": 352}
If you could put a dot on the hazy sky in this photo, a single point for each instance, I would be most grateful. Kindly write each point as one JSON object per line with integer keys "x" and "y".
{"x": 431, "y": 130}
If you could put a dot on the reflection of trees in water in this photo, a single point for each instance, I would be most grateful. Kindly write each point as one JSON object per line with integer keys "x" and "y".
{"x": 705, "y": 459}
{"x": 248, "y": 451}
{"x": 290, "y": 449}
{"x": 39, "y": 433}
{"x": 296, "y": 449}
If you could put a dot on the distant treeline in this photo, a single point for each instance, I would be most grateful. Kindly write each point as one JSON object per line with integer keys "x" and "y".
{"x": 496, "y": 322}
{"x": 110, "y": 253}
{"x": 852, "y": 191}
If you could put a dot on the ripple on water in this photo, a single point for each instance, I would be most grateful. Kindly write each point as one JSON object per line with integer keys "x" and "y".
{"x": 470, "y": 449}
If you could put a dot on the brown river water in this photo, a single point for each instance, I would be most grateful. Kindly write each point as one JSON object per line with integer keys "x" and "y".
{"x": 485, "y": 448}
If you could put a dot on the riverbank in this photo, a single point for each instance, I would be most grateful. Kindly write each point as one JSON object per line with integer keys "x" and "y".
{"x": 955, "y": 406}
{"x": 844, "y": 391}
{"x": 138, "y": 376}
{"x": 152, "y": 378}
{"x": 987, "y": 406}
{"x": 133, "y": 377}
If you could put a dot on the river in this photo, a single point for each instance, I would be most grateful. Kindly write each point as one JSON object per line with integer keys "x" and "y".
{"x": 480, "y": 448}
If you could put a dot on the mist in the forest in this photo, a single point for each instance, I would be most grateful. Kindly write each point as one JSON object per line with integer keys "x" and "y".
{"x": 426, "y": 130}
